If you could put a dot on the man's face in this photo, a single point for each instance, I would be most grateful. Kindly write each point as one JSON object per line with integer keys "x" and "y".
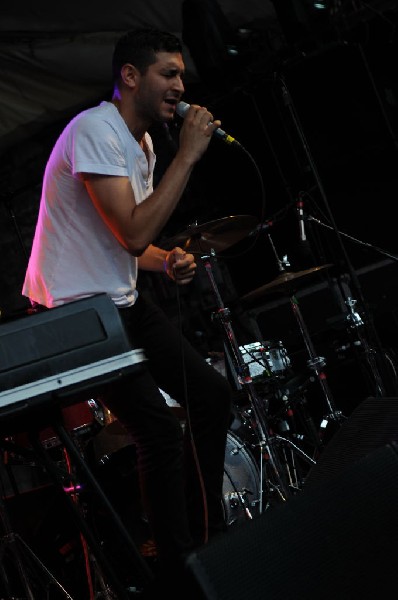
{"x": 161, "y": 87}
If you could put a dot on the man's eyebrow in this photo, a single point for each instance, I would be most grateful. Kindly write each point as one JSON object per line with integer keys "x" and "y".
{"x": 174, "y": 71}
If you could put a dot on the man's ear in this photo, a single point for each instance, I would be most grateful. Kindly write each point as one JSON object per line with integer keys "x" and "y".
{"x": 129, "y": 74}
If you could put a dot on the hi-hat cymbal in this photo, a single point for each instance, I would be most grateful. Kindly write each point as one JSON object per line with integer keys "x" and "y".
{"x": 285, "y": 283}
{"x": 215, "y": 235}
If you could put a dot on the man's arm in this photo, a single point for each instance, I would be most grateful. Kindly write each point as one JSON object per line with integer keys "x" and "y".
{"x": 137, "y": 225}
{"x": 178, "y": 264}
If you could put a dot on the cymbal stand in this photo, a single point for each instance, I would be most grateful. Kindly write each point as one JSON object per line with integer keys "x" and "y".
{"x": 23, "y": 559}
{"x": 267, "y": 441}
{"x": 316, "y": 364}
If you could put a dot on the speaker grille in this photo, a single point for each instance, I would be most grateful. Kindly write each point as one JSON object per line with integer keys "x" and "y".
{"x": 337, "y": 541}
{"x": 374, "y": 423}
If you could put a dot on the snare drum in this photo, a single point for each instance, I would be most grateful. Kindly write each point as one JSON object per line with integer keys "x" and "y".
{"x": 265, "y": 359}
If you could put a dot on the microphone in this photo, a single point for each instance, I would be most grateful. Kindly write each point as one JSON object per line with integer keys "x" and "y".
{"x": 300, "y": 205}
{"x": 182, "y": 109}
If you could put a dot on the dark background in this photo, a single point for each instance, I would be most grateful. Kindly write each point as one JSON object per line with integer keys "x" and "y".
{"x": 310, "y": 90}
{"x": 311, "y": 95}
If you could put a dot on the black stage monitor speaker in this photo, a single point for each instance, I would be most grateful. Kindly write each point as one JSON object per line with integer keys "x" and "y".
{"x": 372, "y": 424}
{"x": 337, "y": 541}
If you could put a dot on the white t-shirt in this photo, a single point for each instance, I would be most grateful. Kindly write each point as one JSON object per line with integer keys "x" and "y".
{"x": 74, "y": 255}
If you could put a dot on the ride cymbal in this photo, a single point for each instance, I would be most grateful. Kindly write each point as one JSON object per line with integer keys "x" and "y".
{"x": 285, "y": 283}
{"x": 215, "y": 235}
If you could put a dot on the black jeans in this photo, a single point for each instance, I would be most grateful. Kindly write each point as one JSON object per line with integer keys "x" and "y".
{"x": 181, "y": 469}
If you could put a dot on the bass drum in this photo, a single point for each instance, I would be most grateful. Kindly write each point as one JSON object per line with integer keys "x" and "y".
{"x": 241, "y": 486}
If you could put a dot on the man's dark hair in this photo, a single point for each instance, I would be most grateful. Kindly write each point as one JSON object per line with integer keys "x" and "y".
{"x": 139, "y": 47}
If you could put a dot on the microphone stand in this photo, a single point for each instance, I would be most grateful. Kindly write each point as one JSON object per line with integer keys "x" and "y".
{"x": 309, "y": 217}
{"x": 378, "y": 362}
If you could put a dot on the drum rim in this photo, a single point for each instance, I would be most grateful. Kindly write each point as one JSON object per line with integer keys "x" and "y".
{"x": 250, "y": 468}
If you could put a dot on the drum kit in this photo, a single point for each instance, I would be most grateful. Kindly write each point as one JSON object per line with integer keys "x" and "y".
{"x": 272, "y": 442}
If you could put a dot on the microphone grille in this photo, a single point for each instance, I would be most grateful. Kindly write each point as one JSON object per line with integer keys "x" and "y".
{"x": 182, "y": 108}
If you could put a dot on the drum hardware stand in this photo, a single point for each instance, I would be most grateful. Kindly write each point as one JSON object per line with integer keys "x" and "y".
{"x": 316, "y": 364}
{"x": 141, "y": 568}
{"x": 356, "y": 322}
{"x": 305, "y": 417}
{"x": 378, "y": 351}
{"x": 93, "y": 570}
{"x": 106, "y": 593}
{"x": 23, "y": 560}
{"x": 243, "y": 379}
{"x": 239, "y": 495}
{"x": 282, "y": 390}
{"x": 288, "y": 445}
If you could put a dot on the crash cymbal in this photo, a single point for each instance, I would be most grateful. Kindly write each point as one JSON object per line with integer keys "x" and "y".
{"x": 286, "y": 283}
{"x": 215, "y": 235}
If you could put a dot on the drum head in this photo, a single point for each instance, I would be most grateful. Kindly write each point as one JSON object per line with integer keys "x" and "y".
{"x": 241, "y": 486}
